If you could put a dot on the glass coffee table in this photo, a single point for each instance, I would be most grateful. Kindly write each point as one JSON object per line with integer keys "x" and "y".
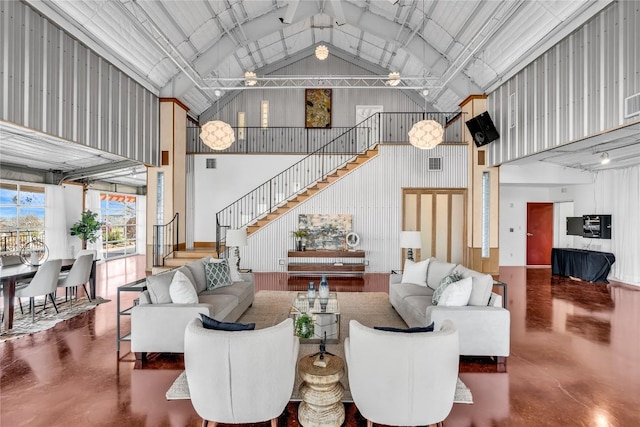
{"x": 322, "y": 313}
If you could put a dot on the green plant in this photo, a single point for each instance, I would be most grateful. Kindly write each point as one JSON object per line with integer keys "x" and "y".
{"x": 304, "y": 326}
{"x": 87, "y": 228}
{"x": 300, "y": 233}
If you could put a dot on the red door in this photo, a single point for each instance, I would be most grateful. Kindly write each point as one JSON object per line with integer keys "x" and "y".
{"x": 539, "y": 233}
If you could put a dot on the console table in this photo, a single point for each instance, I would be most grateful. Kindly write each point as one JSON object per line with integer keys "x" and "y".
{"x": 345, "y": 269}
{"x": 592, "y": 266}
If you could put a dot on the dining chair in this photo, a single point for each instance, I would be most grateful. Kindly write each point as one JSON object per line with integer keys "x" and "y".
{"x": 93, "y": 252}
{"x": 43, "y": 283}
{"x": 77, "y": 276}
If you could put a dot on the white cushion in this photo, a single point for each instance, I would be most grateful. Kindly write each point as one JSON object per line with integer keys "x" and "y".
{"x": 415, "y": 272}
{"x": 182, "y": 290}
{"x": 456, "y": 294}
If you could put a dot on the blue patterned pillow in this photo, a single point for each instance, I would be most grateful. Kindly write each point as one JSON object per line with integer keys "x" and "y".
{"x": 218, "y": 274}
{"x": 446, "y": 281}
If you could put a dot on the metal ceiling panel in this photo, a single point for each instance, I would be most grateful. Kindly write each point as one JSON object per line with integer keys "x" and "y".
{"x": 252, "y": 33}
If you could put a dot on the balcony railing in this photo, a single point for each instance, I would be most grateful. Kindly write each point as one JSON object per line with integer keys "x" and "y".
{"x": 380, "y": 127}
{"x": 11, "y": 242}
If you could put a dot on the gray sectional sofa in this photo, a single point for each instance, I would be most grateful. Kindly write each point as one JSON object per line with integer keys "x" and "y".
{"x": 158, "y": 325}
{"x": 483, "y": 324}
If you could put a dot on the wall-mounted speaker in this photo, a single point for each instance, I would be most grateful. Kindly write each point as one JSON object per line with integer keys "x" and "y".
{"x": 482, "y": 129}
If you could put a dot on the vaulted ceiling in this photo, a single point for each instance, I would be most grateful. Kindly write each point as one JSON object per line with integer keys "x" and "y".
{"x": 189, "y": 48}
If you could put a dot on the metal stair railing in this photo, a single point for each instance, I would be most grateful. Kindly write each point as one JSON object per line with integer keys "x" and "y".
{"x": 316, "y": 166}
{"x": 165, "y": 240}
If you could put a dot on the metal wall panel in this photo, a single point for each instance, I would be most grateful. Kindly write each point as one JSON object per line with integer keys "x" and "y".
{"x": 574, "y": 90}
{"x": 372, "y": 193}
{"x": 286, "y": 106}
{"x": 52, "y": 83}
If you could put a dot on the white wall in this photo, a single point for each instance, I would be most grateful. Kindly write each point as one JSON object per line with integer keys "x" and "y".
{"x": 233, "y": 177}
{"x": 73, "y": 202}
{"x": 513, "y": 221}
{"x": 372, "y": 194}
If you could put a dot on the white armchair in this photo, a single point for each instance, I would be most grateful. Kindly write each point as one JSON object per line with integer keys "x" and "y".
{"x": 243, "y": 376}
{"x": 402, "y": 379}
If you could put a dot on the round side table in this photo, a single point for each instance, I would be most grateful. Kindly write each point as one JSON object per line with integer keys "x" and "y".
{"x": 321, "y": 392}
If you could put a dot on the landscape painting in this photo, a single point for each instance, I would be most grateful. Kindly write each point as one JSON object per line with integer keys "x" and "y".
{"x": 325, "y": 232}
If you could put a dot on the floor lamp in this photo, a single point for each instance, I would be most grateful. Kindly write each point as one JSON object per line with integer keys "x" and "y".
{"x": 410, "y": 240}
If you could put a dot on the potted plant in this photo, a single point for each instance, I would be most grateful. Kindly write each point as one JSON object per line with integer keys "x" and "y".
{"x": 299, "y": 234}
{"x": 87, "y": 228}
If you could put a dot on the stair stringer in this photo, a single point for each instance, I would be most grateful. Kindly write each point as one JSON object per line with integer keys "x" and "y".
{"x": 313, "y": 190}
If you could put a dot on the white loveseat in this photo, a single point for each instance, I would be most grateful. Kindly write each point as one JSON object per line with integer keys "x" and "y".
{"x": 483, "y": 325}
{"x": 158, "y": 325}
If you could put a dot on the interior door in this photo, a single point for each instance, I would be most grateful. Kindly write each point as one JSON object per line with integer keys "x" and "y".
{"x": 539, "y": 233}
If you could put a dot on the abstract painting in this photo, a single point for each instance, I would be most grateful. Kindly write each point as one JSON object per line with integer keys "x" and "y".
{"x": 325, "y": 232}
{"x": 317, "y": 108}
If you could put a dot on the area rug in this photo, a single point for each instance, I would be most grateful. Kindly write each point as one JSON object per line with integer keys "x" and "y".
{"x": 23, "y": 325}
{"x": 369, "y": 308}
{"x": 179, "y": 390}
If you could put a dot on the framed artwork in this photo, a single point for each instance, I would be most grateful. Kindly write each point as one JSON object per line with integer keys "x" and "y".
{"x": 325, "y": 232}
{"x": 317, "y": 108}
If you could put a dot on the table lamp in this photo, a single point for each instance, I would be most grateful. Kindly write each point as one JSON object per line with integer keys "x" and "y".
{"x": 410, "y": 240}
{"x": 237, "y": 238}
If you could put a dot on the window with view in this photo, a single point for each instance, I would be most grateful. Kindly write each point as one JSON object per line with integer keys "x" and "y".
{"x": 118, "y": 212}
{"x": 22, "y": 209}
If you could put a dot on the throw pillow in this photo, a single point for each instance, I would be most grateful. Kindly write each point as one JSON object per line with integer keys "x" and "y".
{"x": 158, "y": 286}
{"x": 197, "y": 272}
{"x": 218, "y": 274}
{"x": 406, "y": 331}
{"x": 415, "y": 272}
{"x": 182, "y": 290}
{"x": 456, "y": 294}
{"x": 211, "y": 323}
{"x": 233, "y": 267}
{"x": 446, "y": 281}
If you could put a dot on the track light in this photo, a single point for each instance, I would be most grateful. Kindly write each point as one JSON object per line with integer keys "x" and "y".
{"x": 604, "y": 158}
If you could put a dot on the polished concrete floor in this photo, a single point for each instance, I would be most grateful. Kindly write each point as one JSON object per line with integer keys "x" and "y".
{"x": 575, "y": 361}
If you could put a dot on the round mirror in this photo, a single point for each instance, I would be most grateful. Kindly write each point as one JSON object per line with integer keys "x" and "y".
{"x": 353, "y": 240}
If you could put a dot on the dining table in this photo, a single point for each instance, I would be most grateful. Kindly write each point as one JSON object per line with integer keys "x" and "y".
{"x": 12, "y": 274}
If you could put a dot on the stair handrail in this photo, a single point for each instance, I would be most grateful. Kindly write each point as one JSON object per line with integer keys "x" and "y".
{"x": 165, "y": 240}
{"x": 370, "y": 124}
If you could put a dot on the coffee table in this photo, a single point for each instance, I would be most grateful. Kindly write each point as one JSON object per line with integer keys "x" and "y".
{"x": 325, "y": 313}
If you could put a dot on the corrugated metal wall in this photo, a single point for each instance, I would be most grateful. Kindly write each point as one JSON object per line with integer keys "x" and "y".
{"x": 52, "y": 83}
{"x": 574, "y": 90}
{"x": 286, "y": 106}
{"x": 373, "y": 195}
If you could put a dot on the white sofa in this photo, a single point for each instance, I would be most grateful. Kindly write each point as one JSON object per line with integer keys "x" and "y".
{"x": 158, "y": 325}
{"x": 483, "y": 325}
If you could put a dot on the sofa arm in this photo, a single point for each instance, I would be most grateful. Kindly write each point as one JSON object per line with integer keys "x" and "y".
{"x": 160, "y": 327}
{"x": 483, "y": 331}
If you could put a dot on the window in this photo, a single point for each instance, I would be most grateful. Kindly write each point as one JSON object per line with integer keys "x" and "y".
{"x": 486, "y": 214}
{"x": 22, "y": 209}
{"x": 118, "y": 212}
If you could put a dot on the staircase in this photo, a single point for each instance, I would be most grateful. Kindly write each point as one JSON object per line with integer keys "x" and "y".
{"x": 319, "y": 169}
{"x": 312, "y": 190}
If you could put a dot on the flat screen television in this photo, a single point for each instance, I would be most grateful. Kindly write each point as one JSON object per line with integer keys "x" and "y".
{"x": 596, "y": 226}
{"x": 574, "y": 226}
